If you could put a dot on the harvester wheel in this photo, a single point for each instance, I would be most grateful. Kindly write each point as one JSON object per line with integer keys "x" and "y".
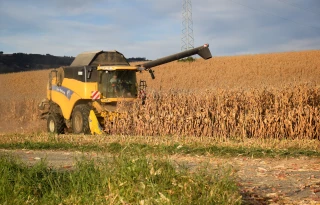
{"x": 55, "y": 123}
{"x": 80, "y": 119}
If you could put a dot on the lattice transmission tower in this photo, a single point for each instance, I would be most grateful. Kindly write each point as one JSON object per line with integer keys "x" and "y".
{"x": 187, "y": 40}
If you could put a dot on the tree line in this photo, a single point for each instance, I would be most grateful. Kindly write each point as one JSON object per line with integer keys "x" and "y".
{"x": 18, "y": 62}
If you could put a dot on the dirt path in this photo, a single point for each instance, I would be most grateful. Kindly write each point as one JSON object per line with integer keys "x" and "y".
{"x": 269, "y": 180}
{"x": 262, "y": 181}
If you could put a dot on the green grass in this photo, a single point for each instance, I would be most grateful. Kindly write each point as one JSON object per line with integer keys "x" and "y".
{"x": 122, "y": 180}
{"x": 161, "y": 149}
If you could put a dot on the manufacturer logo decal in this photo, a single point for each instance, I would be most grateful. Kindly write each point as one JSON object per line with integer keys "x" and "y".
{"x": 63, "y": 90}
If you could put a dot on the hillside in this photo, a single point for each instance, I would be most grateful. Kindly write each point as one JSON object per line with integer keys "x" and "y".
{"x": 21, "y": 92}
{"x": 234, "y": 72}
{"x": 17, "y": 62}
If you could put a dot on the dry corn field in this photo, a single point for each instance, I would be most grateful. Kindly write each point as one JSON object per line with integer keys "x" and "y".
{"x": 291, "y": 113}
{"x": 259, "y": 96}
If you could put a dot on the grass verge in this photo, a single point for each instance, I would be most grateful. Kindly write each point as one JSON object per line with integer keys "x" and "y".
{"x": 134, "y": 145}
{"x": 122, "y": 180}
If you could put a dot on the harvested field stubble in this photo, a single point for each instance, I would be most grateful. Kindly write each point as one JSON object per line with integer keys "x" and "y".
{"x": 20, "y": 110}
{"x": 270, "y": 113}
{"x": 20, "y": 95}
{"x": 20, "y": 116}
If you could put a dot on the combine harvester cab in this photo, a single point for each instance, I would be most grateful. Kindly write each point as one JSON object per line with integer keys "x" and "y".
{"x": 82, "y": 97}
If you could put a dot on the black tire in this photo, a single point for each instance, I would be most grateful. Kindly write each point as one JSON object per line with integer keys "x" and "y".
{"x": 80, "y": 119}
{"x": 55, "y": 123}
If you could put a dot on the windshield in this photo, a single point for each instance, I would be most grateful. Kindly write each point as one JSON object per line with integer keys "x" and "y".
{"x": 121, "y": 83}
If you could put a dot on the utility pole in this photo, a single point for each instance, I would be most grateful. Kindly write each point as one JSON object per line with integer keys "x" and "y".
{"x": 187, "y": 40}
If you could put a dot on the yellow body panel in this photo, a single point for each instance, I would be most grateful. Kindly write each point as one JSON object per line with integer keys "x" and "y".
{"x": 81, "y": 88}
{"x": 109, "y": 100}
{"x": 65, "y": 104}
{"x": 94, "y": 125}
{"x": 116, "y": 68}
{"x": 69, "y": 93}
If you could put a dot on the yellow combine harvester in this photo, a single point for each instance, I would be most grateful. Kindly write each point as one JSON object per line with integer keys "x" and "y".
{"x": 83, "y": 96}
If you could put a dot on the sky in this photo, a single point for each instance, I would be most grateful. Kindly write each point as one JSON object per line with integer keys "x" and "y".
{"x": 153, "y": 28}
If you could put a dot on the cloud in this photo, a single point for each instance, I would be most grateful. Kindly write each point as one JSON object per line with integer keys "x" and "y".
{"x": 152, "y": 29}
{"x": 299, "y": 44}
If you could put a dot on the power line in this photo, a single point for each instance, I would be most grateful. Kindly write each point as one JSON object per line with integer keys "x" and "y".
{"x": 299, "y": 23}
{"x": 302, "y": 8}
